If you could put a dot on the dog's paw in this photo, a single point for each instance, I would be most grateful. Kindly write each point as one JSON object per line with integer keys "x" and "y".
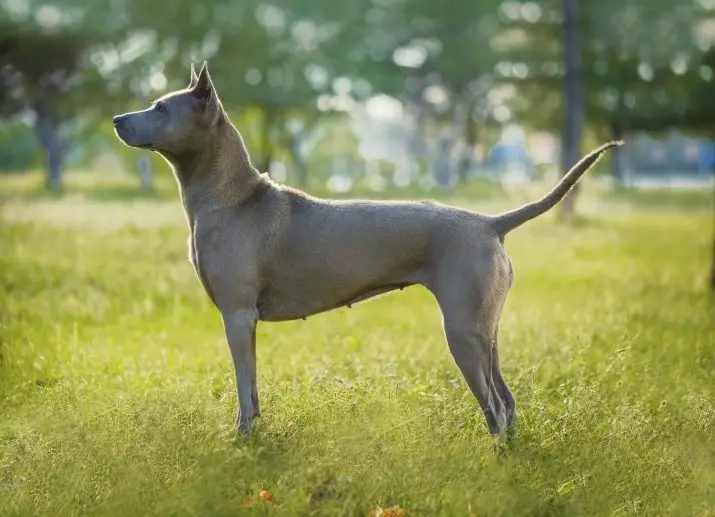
{"x": 500, "y": 446}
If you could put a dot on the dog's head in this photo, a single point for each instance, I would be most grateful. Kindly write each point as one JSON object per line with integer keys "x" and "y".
{"x": 177, "y": 122}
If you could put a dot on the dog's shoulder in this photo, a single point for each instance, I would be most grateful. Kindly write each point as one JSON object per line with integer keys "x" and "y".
{"x": 300, "y": 201}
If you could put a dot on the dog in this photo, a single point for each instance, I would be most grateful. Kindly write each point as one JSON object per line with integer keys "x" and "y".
{"x": 267, "y": 252}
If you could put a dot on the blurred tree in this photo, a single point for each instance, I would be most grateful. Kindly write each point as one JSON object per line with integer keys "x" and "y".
{"x": 573, "y": 93}
{"x": 635, "y": 49}
{"x": 459, "y": 41}
{"x": 635, "y": 56}
{"x": 36, "y": 77}
{"x": 46, "y": 74}
{"x": 439, "y": 60}
{"x": 273, "y": 60}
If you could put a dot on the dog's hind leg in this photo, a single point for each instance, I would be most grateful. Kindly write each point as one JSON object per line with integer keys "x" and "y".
{"x": 502, "y": 389}
{"x": 254, "y": 380}
{"x": 471, "y": 298}
{"x": 240, "y": 329}
{"x": 472, "y": 351}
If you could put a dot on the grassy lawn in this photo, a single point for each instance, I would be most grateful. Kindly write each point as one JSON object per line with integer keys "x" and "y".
{"x": 117, "y": 392}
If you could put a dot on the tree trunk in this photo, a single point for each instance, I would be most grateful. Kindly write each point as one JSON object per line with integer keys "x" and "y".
{"x": 300, "y": 166}
{"x": 618, "y": 163}
{"x": 269, "y": 117}
{"x": 300, "y": 142}
{"x": 54, "y": 165}
{"x": 442, "y": 166}
{"x": 146, "y": 175}
{"x": 47, "y": 129}
{"x": 712, "y": 267}
{"x": 573, "y": 119}
{"x": 470, "y": 141}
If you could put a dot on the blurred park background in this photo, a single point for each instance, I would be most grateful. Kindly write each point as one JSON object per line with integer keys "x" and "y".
{"x": 374, "y": 92}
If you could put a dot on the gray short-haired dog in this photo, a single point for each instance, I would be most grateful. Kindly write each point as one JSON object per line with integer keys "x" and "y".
{"x": 267, "y": 252}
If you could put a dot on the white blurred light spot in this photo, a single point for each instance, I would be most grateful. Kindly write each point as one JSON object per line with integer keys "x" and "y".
{"x": 361, "y": 88}
{"x": 305, "y": 34}
{"x": 48, "y": 16}
{"x": 339, "y": 183}
{"x": 503, "y": 68}
{"x": 704, "y": 33}
{"x": 342, "y": 85}
{"x": 211, "y": 44}
{"x": 157, "y": 81}
{"x": 531, "y": 12}
{"x": 271, "y": 17}
{"x": 436, "y": 95}
{"x": 706, "y": 73}
{"x": 317, "y": 76}
{"x": 645, "y": 71}
{"x": 383, "y": 107}
{"x": 253, "y": 76}
{"x": 18, "y": 7}
{"x": 520, "y": 70}
{"x": 502, "y": 114}
{"x": 679, "y": 65}
{"x": 410, "y": 57}
{"x": 278, "y": 171}
{"x": 510, "y": 10}
{"x": 513, "y": 134}
{"x": 136, "y": 44}
{"x": 343, "y": 103}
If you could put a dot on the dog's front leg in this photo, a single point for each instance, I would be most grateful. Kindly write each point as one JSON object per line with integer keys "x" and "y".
{"x": 240, "y": 329}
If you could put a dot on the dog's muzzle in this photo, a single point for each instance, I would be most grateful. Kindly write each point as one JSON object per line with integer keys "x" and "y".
{"x": 126, "y": 133}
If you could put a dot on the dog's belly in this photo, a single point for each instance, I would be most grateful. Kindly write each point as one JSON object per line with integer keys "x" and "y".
{"x": 291, "y": 306}
{"x": 337, "y": 278}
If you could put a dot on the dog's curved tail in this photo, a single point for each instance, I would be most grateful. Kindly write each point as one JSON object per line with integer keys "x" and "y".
{"x": 507, "y": 221}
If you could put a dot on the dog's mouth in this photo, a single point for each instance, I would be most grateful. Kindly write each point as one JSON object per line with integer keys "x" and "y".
{"x": 130, "y": 138}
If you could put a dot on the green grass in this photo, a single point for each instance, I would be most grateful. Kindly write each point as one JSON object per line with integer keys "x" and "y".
{"x": 117, "y": 392}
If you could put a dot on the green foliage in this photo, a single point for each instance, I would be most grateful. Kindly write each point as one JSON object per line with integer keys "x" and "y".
{"x": 641, "y": 61}
{"x": 645, "y": 62}
{"x": 117, "y": 394}
{"x": 18, "y": 147}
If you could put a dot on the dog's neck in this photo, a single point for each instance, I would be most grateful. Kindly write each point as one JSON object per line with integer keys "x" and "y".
{"x": 219, "y": 175}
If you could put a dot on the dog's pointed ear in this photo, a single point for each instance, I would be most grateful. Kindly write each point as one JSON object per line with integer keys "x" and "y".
{"x": 194, "y": 78}
{"x": 205, "y": 93}
{"x": 204, "y": 88}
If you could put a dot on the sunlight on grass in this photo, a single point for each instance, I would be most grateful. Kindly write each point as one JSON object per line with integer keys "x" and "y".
{"x": 117, "y": 392}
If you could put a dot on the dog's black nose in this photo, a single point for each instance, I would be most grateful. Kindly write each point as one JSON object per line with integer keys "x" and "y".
{"x": 117, "y": 119}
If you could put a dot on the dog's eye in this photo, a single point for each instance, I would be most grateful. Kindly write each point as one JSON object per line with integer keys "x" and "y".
{"x": 160, "y": 107}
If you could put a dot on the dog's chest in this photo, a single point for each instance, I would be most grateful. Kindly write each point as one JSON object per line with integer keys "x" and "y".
{"x": 192, "y": 252}
{"x": 194, "y": 259}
